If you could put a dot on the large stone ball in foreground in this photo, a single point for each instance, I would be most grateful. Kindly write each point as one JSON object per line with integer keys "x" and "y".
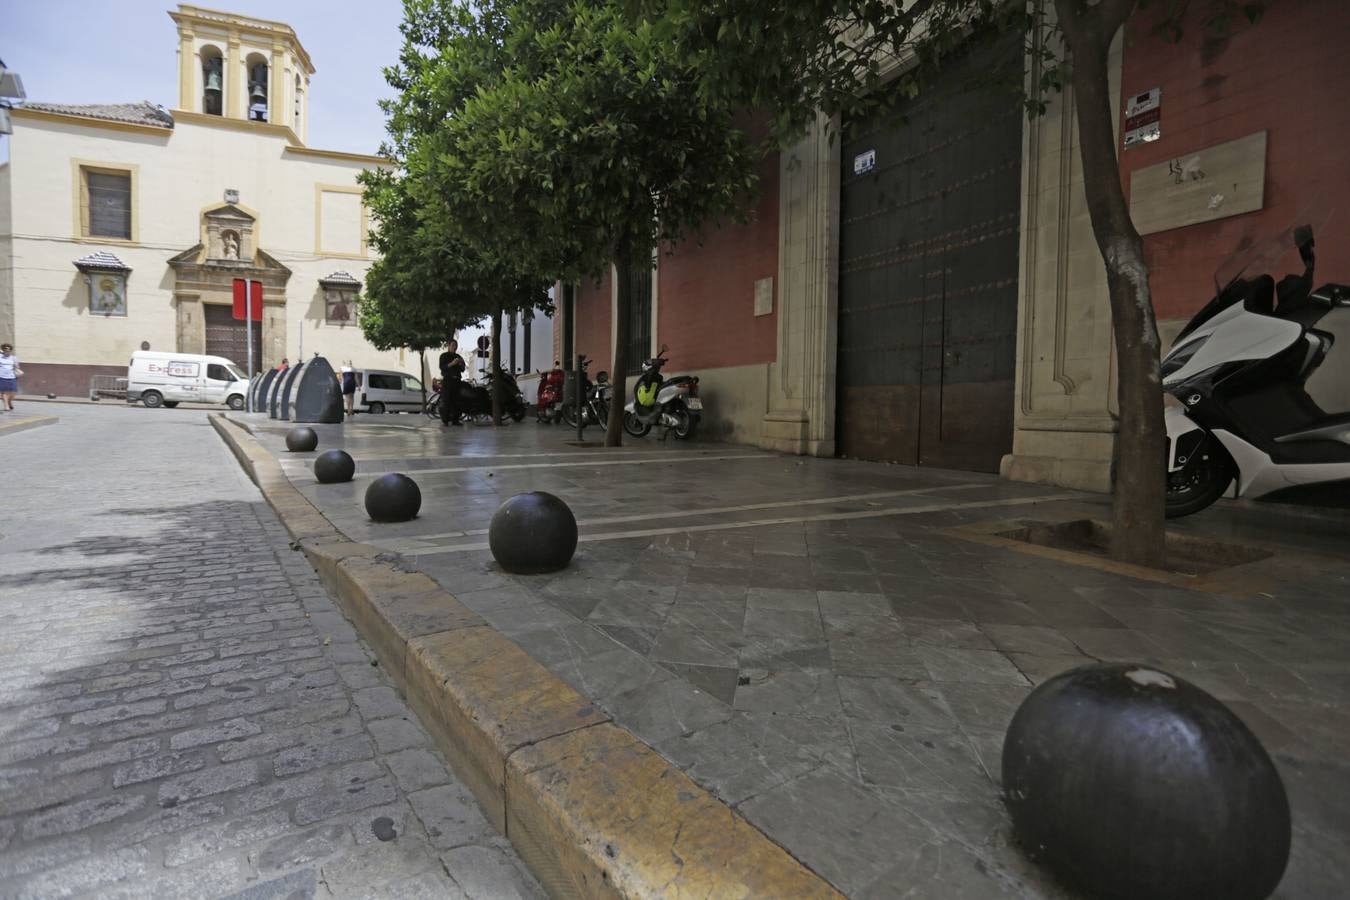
{"x": 1129, "y": 782}
{"x": 534, "y": 532}
{"x": 334, "y": 467}
{"x": 301, "y": 440}
{"x": 393, "y": 498}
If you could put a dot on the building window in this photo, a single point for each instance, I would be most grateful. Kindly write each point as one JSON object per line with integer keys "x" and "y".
{"x": 299, "y": 94}
{"x": 257, "y": 89}
{"x": 107, "y": 204}
{"x": 639, "y": 320}
{"x": 341, "y": 308}
{"x": 213, "y": 81}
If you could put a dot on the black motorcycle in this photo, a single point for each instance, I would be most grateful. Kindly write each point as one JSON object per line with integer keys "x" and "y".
{"x": 595, "y": 397}
{"x": 475, "y": 400}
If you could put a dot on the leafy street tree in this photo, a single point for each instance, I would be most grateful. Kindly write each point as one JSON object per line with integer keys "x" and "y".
{"x": 440, "y": 277}
{"x": 804, "y": 58}
{"x": 594, "y": 145}
{"x": 422, "y": 289}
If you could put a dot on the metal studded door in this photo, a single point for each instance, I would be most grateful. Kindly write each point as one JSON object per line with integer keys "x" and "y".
{"x": 929, "y": 213}
{"x": 225, "y": 336}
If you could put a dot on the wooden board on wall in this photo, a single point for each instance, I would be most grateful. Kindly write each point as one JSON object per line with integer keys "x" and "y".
{"x": 1224, "y": 180}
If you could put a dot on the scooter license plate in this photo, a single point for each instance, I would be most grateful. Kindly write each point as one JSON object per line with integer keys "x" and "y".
{"x": 695, "y": 403}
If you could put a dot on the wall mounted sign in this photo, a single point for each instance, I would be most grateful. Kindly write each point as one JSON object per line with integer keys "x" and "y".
{"x": 864, "y": 162}
{"x": 764, "y": 296}
{"x": 1200, "y": 186}
{"x": 1143, "y": 117}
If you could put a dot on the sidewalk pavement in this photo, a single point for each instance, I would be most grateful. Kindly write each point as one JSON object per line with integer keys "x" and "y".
{"x": 833, "y": 650}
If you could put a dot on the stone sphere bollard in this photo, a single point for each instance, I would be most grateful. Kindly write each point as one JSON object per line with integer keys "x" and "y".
{"x": 334, "y": 467}
{"x": 534, "y": 532}
{"x": 1129, "y": 782}
{"x": 301, "y": 440}
{"x": 393, "y": 498}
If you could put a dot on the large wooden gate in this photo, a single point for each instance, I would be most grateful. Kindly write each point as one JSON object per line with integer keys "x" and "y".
{"x": 928, "y": 260}
{"x": 225, "y": 336}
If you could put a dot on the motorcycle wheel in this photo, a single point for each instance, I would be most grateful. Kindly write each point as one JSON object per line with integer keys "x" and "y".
{"x": 569, "y": 416}
{"x": 517, "y": 412}
{"x": 1201, "y": 482}
{"x": 685, "y": 424}
{"x": 634, "y": 426}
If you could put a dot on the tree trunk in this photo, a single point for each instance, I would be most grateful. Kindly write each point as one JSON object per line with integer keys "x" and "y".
{"x": 1141, "y": 439}
{"x": 618, "y": 374}
{"x": 495, "y": 364}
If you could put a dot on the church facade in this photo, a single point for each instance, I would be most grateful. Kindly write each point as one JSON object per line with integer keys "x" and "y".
{"x": 124, "y": 226}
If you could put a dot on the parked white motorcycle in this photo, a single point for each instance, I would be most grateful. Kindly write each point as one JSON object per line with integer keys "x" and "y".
{"x": 1264, "y": 388}
{"x": 672, "y": 402}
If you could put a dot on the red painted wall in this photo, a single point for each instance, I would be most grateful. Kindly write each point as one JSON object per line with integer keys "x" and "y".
{"x": 706, "y": 294}
{"x": 1287, "y": 75}
{"x": 595, "y": 304}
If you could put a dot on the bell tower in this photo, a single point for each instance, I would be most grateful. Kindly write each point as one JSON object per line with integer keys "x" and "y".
{"x": 239, "y": 67}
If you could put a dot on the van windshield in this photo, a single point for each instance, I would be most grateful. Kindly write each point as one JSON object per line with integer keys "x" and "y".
{"x": 237, "y": 372}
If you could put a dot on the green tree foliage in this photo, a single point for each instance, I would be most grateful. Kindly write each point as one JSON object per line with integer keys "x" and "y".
{"x": 431, "y": 280}
{"x": 566, "y": 137}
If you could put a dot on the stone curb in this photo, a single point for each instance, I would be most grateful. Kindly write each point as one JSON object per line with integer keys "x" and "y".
{"x": 17, "y": 425}
{"x": 591, "y": 809}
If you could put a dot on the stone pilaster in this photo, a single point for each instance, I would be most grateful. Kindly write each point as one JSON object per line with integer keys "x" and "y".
{"x": 802, "y": 380}
{"x": 191, "y": 322}
{"x": 1065, "y": 393}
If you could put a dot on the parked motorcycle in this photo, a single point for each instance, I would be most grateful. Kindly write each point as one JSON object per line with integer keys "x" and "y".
{"x": 670, "y": 402}
{"x": 1264, "y": 388}
{"x": 549, "y": 404}
{"x": 595, "y": 398}
{"x": 475, "y": 400}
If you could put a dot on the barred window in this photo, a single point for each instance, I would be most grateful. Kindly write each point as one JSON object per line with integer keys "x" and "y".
{"x": 107, "y": 204}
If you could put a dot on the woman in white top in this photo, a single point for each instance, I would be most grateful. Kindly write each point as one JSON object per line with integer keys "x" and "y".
{"x": 9, "y": 375}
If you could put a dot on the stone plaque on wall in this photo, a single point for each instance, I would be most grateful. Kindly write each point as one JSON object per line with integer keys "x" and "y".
{"x": 764, "y": 296}
{"x": 1200, "y": 186}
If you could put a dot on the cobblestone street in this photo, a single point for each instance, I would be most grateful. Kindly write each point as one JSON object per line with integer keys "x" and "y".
{"x": 183, "y": 711}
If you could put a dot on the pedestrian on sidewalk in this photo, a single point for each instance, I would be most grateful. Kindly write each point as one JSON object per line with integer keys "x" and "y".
{"x": 349, "y": 387}
{"x": 283, "y": 365}
{"x": 9, "y": 375}
{"x": 452, "y": 370}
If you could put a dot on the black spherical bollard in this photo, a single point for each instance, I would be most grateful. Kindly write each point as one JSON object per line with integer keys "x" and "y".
{"x": 301, "y": 440}
{"x": 1130, "y": 782}
{"x": 533, "y": 532}
{"x": 334, "y": 466}
{"x": 393, "y": 498}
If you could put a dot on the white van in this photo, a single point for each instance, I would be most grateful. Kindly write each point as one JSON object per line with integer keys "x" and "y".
{"x": 167, "y": 379}
{"x": 382, "y": 390}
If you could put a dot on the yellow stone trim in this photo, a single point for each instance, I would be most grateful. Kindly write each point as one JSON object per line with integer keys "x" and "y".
{"x": 187, "y": 58}
{"x": 211, "y": 207}
{"x": 319, "y": 190}
{"x": 44, "y": 115}
{"x": 80, "y": 199}
{"x": 343, "y": 155}
{"x": 201, "y": 18}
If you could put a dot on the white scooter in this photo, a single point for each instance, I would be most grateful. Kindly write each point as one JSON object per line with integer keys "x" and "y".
{"x": 1264, "y": 389}
{"x": 671, "y": 402}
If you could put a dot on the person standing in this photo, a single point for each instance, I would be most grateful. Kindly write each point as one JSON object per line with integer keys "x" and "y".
{"x": 349, "y": 388}
{"x": 9, "y": 376}
{"x": 283, "y": 365}
{"x": 452, "y": 370}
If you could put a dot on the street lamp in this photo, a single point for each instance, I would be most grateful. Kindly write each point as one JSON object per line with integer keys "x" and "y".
{"x": 11, "y": 89}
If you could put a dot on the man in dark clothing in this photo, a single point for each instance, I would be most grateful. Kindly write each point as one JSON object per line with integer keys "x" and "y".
{"x": 452, "y": 370}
